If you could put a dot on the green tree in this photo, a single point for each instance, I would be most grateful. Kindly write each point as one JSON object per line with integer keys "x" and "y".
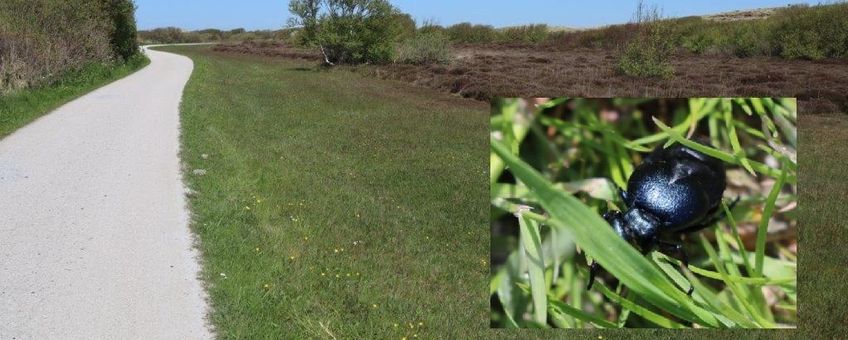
{"x": 306, "y": 15}
{"x": 123, "y": 37}
{"x": 352, "y": 31}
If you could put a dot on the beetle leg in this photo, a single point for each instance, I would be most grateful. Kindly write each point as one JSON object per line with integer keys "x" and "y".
{"x": 733, "y": 204}
{"x": 681, "y": 255}
{"x": 719, "y": 214}
{"x": 593, "y": 268}
{"x": 678, "y": 250}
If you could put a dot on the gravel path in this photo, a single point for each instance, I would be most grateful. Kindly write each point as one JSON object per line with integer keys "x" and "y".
{"x": 94, "y": 238}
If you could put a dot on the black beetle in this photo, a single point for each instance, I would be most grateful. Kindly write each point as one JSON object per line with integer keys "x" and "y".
{"x": 675, "y": 190}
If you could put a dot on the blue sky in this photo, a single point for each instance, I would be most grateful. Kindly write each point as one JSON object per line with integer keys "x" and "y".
{"x": 272, "y": 14}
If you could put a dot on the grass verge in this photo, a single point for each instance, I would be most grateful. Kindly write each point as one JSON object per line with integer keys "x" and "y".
{"x": 22, "y": 107}
{"x": 822, "y": 211}
{"x": 335, "y": 205}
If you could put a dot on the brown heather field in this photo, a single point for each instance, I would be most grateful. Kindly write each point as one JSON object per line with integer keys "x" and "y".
{"x": 485, "y": 71}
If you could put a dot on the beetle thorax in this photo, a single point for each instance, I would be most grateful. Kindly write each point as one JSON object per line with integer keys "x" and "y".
{"x": 641, "y": 227}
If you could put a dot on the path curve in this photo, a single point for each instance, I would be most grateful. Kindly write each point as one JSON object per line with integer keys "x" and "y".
{"x": 94, "y": 238}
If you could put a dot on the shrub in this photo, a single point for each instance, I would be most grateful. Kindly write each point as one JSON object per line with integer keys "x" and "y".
{"x": 468, "y": 33}
{"x": 430, "y": 27}
{"x": 707, "y": 39}
{"x": 811, "y": 32}
{"x": 530, "y": 34}
{"x": 696, "y": 43}
{"x": 643, "y": 58}
{"x": 403, "y": 25}
{"x": 424, "y": 48}
{"x": 749, "y": 39}
{"x": 162, "y": 35}
{"x": 648, "y": 55}
{"x": 607, "y": 37}
{"x": 800, "y": 44}
{"x": 42, "y": 39}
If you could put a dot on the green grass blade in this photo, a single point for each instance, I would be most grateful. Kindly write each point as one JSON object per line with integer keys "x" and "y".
{"x": 665, "y": 263}
{"x": 503, "y": 190}
{"x": 564, "y": 126}
{"x": 741, "y": 279}
{"x": 495, "y": 281}
{"x": 624, "y": 160}
{"x": 599, "y": 241}
{"x": 753, "y": 295}
{"x": 734, "y": 139}
{"x": 712, "y": 152}
{"x": 622, "y": 319}
{"x": 768, "y": 210}
{"x": 737, "y": 279}
{"x": 637, "y": 309}
{"x": 614, "y": 166}
{"x": 513, "y": 127}
{"x": 514, "y": 303}
{"x": 739, "y": 244}
{"x": 600, "y": 188}
{"x": 712, "y": 123}
{"x": 710, "y": 297}
{"x": 577, "y": 290}
{"x": 742, "y": 103}
{"x": 532, "y": 241}
{"x": 787, "y": 307}
{"x": 739, "y": 293}
{"x": 557, "y": 308}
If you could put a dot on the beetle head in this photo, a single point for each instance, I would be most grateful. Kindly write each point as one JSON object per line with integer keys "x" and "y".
{"x": 639, "y": 228}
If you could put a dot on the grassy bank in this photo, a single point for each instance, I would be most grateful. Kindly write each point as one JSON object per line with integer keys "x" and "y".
{"x": 23, "y": 106}
{"x": 335, "y": 205}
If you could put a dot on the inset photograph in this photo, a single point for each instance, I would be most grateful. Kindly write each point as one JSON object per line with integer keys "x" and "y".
{"x": 643, "y": 213}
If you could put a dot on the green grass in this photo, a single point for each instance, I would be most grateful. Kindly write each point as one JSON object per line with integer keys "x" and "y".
{"x": 824, "y": 214}
{"x": 23, "y": 106}
{"x": 566, "y": 158}
{"x": 335, "y": 203}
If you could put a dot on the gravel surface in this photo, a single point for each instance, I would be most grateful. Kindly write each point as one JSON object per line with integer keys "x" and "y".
{"x": 94, "y": 238}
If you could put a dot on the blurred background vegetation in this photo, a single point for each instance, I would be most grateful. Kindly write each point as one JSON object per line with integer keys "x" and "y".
{"x": 547, "y": 152}
{"x": 176, "y": 35}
